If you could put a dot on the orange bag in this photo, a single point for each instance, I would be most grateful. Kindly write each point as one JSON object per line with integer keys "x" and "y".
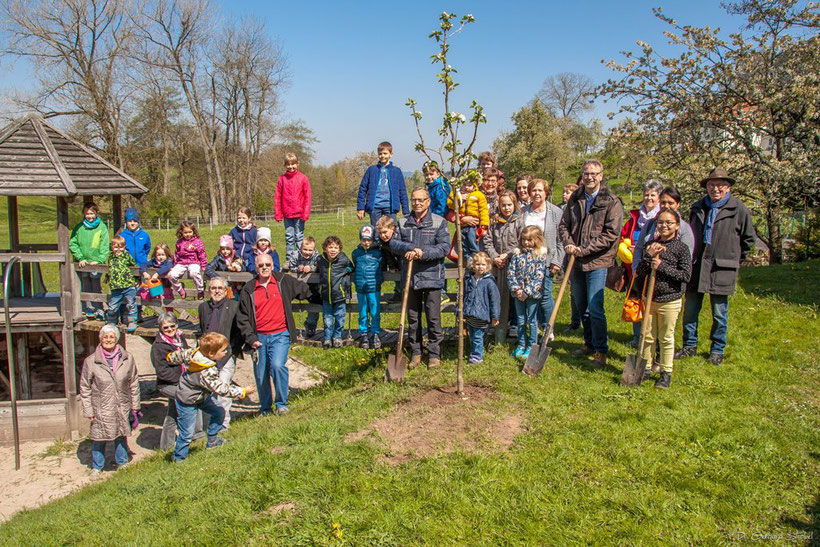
{"x": 632, "y": 311}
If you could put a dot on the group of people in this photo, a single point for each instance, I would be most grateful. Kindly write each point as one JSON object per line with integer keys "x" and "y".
{"x": 516, "y": 243}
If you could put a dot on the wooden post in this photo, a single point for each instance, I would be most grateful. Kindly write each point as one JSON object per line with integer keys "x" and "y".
{"x": 460, "y": 321}
{"x": 67, "y": 306}
{"x": 117, "y": 212}
{"x": 14, "y": 244}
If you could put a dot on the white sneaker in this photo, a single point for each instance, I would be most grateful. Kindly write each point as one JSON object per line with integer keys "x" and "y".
{"x": 96, "y": 473}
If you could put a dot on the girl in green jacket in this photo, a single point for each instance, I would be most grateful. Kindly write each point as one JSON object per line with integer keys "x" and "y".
{"x": 90, "y": 245}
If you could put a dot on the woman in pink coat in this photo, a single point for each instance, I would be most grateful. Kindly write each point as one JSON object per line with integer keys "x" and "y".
{"x": 292, "y": 203}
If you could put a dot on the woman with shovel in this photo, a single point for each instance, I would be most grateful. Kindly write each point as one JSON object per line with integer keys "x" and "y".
{"x": 672, "y": 261}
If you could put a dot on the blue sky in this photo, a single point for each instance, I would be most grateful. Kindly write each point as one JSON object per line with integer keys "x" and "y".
{"x": 354, "y": 64}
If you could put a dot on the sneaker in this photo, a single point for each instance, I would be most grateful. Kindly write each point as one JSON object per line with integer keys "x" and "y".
{"x": 326, "y": 344}
{"x": 365, "y": 344}
{"x": 664, "y": 381}
{"x": 524, "y": 355}
{"x": 716, "y": 359}
{"x": 433, "y": 362}
{"x": 512, "y": 332}
{"x": 216, "y": 442}
{"x": 377, "y": 343}
{"x": 598, "y": 359}
{"x": 475, "y": 361}
{"x": 310, "y": 333}
{"x": 585, "y": 350}
{"x": 282, "y": 410}
{"x": 100, "y": 315}
{"x": 571, "y": 328}
{"x": 686, "y": 351}
{"x": 132, "y": 327}
{"x": 517, "y": 352}
{"x": 337, "y": 342}
{"x": 90, "y": 314}
{"x": 415, "y": 361}
{"x": 95, "y": 473}
{"x": 647, "y": 373}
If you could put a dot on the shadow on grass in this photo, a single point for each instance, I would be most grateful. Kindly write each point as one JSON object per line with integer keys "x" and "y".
{"x": 809, "y": 532}
{"x": 797, "y": 283}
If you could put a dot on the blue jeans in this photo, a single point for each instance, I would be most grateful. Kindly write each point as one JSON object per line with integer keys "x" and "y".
{"x": 333, "y": 316}
{"x": 122, "y": 298}
{"x": 575, "y": 320}
{"x": 476, "y": 342}
{"x": 720, "y": 320}
{"x": 294, "y": 234}
{"x": 272, "y": 362}
{"x": 98, "y": 453}
{"x": 378, "y": 213}
{"x": 312, "y": 320}
{"x": 527, "y": 312}
{"x": 546, "y": 304}
{"x": 588, "y": 288}
{"x": 91, "y": 282}
{"x": 469, "y": 241}
{"x": 369, "y": 305}
{"x": 186, "y": 418}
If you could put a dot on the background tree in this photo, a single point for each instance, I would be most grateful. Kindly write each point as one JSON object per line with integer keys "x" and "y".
{"x": 567, "y": 95}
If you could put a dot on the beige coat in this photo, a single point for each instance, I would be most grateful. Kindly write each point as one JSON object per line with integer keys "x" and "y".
{"x": 108, "y": 396}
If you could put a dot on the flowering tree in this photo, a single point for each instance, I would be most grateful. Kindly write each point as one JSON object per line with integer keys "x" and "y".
{"x": 451, "y": 150}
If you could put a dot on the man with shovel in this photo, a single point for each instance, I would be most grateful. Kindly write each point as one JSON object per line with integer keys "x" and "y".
{"x": 590, "y": 229}
{"x": 423, "y": 238}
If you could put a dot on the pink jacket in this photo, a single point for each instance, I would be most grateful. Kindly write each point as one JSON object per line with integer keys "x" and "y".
{"x": 191, "y": 251}
{"x": 292, "y": 199}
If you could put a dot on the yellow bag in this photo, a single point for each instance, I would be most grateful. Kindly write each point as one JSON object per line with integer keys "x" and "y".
{"x": 623, "y": 251}
{"x": 632, "y": 311}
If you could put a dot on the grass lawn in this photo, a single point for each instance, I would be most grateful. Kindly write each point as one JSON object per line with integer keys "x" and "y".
{"x": 725, "y": 451}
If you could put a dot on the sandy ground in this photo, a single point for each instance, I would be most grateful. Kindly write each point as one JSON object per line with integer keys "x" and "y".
{"x": 50, "y": 470}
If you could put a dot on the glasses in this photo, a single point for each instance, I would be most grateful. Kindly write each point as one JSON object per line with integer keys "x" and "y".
{"x": 418, "y": 200}
{"x": 264, "y": 265}
{"x": 592, "y": 174}
{"x": 217, "y": 288}
{"x": 667, "y": 223}
{"x": 168, "y": 327}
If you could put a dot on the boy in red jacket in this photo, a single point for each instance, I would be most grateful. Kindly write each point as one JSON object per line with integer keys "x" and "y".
{"x": 292, "y": 203}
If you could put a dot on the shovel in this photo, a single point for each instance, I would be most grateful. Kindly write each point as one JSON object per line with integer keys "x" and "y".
{"x": 636, "y": 364}
{"x": 540, "y": 352}
{"x": 396, "y": 364}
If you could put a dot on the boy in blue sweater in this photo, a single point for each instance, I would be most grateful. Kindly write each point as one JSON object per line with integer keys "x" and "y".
{"x": 482, "y": 303}
{"x": 367, "y": 276}
{"x": 437, "y": 186}
{"x": 137, "y": 240}
{"x": 382, "y": 191}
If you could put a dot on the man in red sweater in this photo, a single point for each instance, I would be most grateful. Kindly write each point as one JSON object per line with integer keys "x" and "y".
{"x": 265, "y": 319}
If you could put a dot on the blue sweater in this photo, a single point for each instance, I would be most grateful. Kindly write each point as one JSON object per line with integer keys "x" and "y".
{"x": 481, "y": 298}
{"x": 367, "y": 275}
{"x": 243, "y": 244}
{"x": 138, "y": 245}
{"x": 439, "y": 190}
{"x": 370, "y": 185}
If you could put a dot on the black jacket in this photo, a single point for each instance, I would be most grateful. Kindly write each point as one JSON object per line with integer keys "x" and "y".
{"x": 290, "y": 288}
{"x": 334, "y": 284}
{"x": 167, "y": 373}
{"x": 227, "y": 325}
{"x": 431, "y": 236}
{"x": 715, "y": 266}
{"x": 672, "y": 274}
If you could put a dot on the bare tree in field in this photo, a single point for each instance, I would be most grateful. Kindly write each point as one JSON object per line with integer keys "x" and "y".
{"x": 176, "y": 37}
{"x": 78, "y": 49}
{"x": 567, "y": 95}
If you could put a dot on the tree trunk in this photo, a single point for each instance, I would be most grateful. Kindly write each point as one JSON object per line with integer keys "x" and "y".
{"x": 775, "y": 237}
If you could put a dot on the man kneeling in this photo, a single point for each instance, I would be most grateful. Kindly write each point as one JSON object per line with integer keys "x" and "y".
{"x": 196, "y": 388}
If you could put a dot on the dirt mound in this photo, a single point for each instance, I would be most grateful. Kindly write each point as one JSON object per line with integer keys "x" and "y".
{"x": 439, "y": 421}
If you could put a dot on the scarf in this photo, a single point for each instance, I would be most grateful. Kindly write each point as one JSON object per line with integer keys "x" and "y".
{"x": 175, "y": 342}
{"x": 498, "y": 219}
{"x": 644, "y": 215}
{"x": 93, "y": 224}
{"x": 714, "y": 209}
{"x": 246, "y": 228}
{"x": 216, "y": 314}
{"x": 111, "y": 357}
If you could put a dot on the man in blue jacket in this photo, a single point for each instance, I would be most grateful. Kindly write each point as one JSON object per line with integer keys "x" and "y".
{"x": 382, "y": 191}
{"x": 423, "y": 238}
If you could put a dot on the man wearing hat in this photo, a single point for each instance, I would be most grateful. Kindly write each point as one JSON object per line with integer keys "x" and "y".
{"x": 724, "y": 236}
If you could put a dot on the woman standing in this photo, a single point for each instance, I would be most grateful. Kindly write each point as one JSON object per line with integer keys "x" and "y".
{"x": 110, "y": 396}
{"x": 672, "y": 260}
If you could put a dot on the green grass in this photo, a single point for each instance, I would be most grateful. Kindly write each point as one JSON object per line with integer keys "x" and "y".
{"x": 725, "y": 450}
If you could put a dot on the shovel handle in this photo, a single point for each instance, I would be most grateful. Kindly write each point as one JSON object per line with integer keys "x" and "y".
{"x": 650, "y": 291}
{"x": 560, "y": 296}
{"x": 404, "y": 309}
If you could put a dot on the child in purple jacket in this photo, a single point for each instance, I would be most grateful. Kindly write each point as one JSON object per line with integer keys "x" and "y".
{"x": 189, "y": 258}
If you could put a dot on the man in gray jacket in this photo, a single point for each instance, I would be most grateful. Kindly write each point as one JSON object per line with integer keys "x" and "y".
{"x": 724, "y": 236}
{"x": 422, "y": 237}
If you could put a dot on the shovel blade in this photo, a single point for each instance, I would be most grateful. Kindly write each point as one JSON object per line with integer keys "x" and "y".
{"x": 536, "y": 359}
{"x": 633, "y": 371}
{"x": 396, "y": 365}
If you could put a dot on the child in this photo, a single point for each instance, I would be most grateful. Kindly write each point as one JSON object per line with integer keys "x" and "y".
{"x": 264, "y": 246}
{"x": 334, "y": 271}
{"x": 304, "y": 263}
{"x": 189, "y": 257}
{"x": 567, "y": 193}
{"x": 244, "y": 237}
{"x": 162, "y": 261}
{"x": 89, "y": 244}
{"x": 137, "y": 240}
{"x": 471, "y": 203}
{"x": 499, "y": 243}
{"x": 525, "y": 276}
{"x": 482, "y": 303}
{"x": 121, "y": 281}
{"x": 382, "y": 190}
{"x": 486, "y": 160}
{"x": 490, "y": 189}
{"x": 196, "y": 386}
{"x": 367, "y": 264}
{"x": 522, "y": 192}
{"x": 437, "y": 187}
{"x": 291, "y": 202}
{"x": 386, "y": 227}
{"x": 225, "y": 259}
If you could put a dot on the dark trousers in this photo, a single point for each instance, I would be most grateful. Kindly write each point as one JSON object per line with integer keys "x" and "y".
{"x": 430, "y": 301}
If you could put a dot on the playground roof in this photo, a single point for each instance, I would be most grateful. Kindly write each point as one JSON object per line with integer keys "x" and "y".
{"x": 37, "y": 159}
